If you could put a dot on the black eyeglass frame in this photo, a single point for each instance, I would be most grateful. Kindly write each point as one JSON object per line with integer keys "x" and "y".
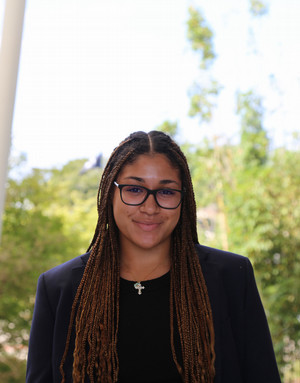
{"x": 149, "y": 191}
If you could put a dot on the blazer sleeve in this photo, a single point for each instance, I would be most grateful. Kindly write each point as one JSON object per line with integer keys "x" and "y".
{"x": 244, "y": 349}
{"x": 39, "y": 364}
{"x": 260, "y": 363}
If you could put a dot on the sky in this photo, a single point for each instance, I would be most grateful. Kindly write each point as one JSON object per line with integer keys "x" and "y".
{"x": 93, "y": 71}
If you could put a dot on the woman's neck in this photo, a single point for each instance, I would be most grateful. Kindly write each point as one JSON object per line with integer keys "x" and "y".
{"x": 144, "y": 264}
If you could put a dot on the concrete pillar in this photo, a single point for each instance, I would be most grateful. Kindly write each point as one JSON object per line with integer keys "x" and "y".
{"x": 9, "y": 65}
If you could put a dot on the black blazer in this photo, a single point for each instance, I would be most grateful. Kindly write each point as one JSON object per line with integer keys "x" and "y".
{"x": 244, "y": 351}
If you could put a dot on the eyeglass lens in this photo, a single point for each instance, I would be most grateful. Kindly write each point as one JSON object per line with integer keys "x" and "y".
{"x": 136, "y": 195}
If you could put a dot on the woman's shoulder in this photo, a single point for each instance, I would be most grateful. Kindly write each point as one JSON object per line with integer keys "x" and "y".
{"x": 221, "y": 258}
{"x": 60, "y": 283}
{"x": 65, "y": 270}
{"x": 231, "y": 268}
{"x": 228, "y": 275}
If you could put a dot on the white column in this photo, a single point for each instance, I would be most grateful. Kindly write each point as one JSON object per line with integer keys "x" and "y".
{"x": 9, "y": 65}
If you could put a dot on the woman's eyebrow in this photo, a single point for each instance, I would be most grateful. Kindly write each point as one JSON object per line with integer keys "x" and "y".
{"x": 134, "y": 179}
{"x": 162, "y": 182}
{"x": 165, "y": 182}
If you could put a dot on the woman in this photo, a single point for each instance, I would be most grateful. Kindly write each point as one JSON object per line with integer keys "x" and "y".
{"x": 147, "y": 303}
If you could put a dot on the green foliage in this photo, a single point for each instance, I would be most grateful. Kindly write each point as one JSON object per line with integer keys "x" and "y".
{"x": 248, "y": 197}
{"x": 12, "y": 370}
{"x": 253, "y": 136}
{"x": 201, "y": 37}
{"x": 248, "y": 202}
{"x": 170, "y": 128}
{"x": 255, "y": 211}
{"x": 49, "y": 218}
{"x": 258, "y": 8}
{"x": 203, "y": 100}
{"x": 265, "y": 225}
{"x": 203, "y": 93}
{"x": 211, "y": 169}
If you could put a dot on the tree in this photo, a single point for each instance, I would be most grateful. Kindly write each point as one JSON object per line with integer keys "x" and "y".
{"x": 49, "y": 218}
{"x": 201, "y": 37}
{"x": 254, "y": 141}
{"x": 258, "y": 8}
{"x": 204, "y": 91}
{"x": 170, "y": 128}
{"x": 254, "y": 193}
{"x": 264, "y": 220}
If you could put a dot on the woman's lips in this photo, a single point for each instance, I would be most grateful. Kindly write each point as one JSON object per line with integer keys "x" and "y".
{"x": 147, "y": 226}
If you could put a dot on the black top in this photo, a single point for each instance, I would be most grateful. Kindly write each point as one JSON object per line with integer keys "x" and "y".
{"x": 144, "y": 346}
{"x": 243, "y": 346}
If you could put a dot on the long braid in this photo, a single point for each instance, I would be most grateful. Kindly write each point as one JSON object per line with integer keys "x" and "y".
{"x": 95, "y": 310}
{"x": 189, "y": 292}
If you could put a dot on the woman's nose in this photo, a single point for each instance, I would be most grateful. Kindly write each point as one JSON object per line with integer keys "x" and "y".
{"x": 150, "y": 206}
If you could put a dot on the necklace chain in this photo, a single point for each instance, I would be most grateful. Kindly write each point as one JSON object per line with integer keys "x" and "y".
{"x": 138, "y": 286}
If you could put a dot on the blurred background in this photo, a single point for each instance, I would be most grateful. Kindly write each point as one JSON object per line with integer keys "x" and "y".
{"x": 222, "y": 78}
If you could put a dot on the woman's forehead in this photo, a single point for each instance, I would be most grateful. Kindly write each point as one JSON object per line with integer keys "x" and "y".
{"x": 151, "y": 165}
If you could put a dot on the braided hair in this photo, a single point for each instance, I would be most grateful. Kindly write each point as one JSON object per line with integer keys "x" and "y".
{"x": 95, "y": 310}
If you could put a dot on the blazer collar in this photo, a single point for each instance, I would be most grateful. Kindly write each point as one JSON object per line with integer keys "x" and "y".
{"x": 77, "y": 273}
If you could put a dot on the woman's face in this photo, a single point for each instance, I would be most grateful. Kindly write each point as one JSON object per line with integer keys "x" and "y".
{"x": 147, "y": 226}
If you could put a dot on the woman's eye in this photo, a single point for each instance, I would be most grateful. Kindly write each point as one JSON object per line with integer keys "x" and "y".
{"x": 166, "y": 192}
{"x": 133, "y": 189}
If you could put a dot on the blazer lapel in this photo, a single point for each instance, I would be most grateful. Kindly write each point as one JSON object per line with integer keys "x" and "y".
{"x": 77, "y": 274}
{"x": 215, "y": 293}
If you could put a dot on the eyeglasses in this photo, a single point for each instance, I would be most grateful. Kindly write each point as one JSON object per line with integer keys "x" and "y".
{"x": 135, "y": 195}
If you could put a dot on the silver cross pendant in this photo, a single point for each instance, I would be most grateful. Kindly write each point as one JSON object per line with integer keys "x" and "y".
{"x": 139, "y": 287}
